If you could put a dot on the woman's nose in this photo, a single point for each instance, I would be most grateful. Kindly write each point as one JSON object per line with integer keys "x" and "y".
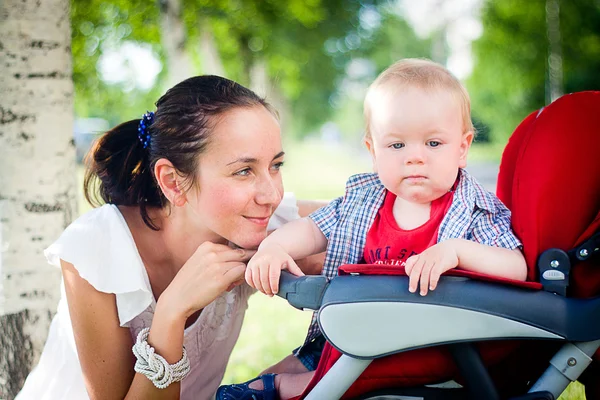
{"x": 269, "y": 191}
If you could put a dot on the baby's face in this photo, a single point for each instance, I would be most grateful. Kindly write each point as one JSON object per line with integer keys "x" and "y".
{"x": 417, "y": 141}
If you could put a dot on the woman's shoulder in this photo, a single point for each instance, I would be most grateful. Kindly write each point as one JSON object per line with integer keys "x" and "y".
{"x": 96, "y": 218}
{"x": 101, "y": 248}
{"x": 90, "y": 230}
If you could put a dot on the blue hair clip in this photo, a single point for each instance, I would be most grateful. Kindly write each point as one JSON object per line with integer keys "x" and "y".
{"x": 143, "y": 133}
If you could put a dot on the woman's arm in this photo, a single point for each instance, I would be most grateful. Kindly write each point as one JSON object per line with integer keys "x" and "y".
{"x": 104, "y": 348}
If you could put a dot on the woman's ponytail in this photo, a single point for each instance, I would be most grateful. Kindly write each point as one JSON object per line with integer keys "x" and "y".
{"x": 118, "y": 171}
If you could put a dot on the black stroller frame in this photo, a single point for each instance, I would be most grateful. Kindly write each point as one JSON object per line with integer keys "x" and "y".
{"x": 366, "y": 317}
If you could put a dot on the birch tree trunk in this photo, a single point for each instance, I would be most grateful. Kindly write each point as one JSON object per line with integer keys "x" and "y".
{"x": 554, "y": 85}
{"x": 262, "y": 85}
{"x": 37, "y": 175}
{"x": 209, "y": 54}
{"x": 174, "y": 38}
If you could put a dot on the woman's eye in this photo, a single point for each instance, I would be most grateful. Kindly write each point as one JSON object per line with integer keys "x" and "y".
{"x": 243, "y": 172}
{"x": 277, "y": 166}
{"x": 434, "y": 143}
{"x": 397, "y": 146}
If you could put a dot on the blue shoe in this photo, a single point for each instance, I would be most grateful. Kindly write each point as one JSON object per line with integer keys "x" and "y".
{"x": 243, "y": 391}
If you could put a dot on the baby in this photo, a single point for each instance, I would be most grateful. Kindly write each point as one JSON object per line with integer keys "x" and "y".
{"x": 420, "y": 209}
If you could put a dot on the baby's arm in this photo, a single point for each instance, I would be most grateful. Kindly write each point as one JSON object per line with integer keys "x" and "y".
{"x": 490, "y": 260}
{"x": 490, "y": 247}
{"x": 294, "y": 240}
{"x": 426, "y": 268}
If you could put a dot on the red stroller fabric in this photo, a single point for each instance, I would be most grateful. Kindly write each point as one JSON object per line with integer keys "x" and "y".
{"x": 550, "y": 179}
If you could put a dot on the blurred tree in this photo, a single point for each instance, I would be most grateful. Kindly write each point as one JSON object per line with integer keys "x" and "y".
{"x": 99, "y": 28}
{"x": 276, "y": 48}
{"x": 37, "y": 175}
{"x": 511, "y": 74}
{"x": 554, "y": 86}
{"x": 174, "y": 39}
{"x": 390, "y": 39}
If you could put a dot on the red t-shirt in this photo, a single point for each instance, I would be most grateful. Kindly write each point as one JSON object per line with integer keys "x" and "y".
{"x": 389, "y": 244}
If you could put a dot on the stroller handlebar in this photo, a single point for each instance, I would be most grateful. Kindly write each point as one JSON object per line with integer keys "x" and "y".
{"x": 302, "y": 292}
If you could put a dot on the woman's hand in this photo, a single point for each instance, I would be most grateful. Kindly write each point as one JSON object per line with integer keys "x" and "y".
{"x": 210, "y": 271}
{"x": 426, "y": 268}
{"x": 264, "y": 269}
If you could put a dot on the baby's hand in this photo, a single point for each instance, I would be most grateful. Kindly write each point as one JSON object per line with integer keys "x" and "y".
{"x": 264, "y": 268}
{"x": 425, "y": 269}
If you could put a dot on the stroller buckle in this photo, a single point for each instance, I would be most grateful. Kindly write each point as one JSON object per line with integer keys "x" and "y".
{"x": 553, "y": 275}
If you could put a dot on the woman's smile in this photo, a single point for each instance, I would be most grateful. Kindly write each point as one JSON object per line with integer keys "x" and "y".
{"x": 262, "y": 221}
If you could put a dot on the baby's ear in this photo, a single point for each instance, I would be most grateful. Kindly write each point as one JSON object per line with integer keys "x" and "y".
{"x": 465, "y": 145}
{"x": 369, "y": 144}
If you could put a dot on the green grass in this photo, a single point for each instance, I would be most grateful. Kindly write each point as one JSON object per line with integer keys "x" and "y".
{"x": 272, "y": 328}
{"x": 575, "y": 391}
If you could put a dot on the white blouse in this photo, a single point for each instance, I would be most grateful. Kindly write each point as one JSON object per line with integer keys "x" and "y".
{"x": 101, "y": 248}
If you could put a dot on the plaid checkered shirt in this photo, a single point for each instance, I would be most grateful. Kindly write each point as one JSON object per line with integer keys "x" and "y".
{"x": 475, "y": 214}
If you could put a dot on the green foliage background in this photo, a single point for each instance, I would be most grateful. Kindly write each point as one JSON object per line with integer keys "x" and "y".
{"x": 307, "y": 47}
{"x": 509, "y": 80}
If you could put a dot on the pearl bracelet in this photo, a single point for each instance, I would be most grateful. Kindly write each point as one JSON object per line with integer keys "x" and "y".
{"x": 154, "y": 366}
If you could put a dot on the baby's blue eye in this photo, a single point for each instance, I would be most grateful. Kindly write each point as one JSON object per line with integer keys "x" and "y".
{"x": 434, "y": 143}
{"x": 397, "y": 146}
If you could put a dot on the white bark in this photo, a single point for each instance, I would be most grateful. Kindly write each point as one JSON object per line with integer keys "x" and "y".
{"x": 555, "y": 59}
{"x": 37, "y": 174}
{"x": 262, "y": 85}
{"x": 259, "y": 79}
{"x": 209, "y": 54}
{"x": 174, "y": 39}
{"x": 439, "y": 46}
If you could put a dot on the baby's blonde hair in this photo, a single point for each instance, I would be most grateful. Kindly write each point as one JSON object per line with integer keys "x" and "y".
{"x": 423, "y": 74}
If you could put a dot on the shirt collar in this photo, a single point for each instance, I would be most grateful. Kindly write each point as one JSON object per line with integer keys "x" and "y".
{"x": 473, "y": 193}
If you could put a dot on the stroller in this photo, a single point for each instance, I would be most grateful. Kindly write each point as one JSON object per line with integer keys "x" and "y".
{"x": 479, "y": 337}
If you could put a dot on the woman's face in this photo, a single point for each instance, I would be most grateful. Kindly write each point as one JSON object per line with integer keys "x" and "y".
{"x": 239, "y": 181}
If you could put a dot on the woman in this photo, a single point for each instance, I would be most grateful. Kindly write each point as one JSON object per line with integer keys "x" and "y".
{"x": 189, "y": 191}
